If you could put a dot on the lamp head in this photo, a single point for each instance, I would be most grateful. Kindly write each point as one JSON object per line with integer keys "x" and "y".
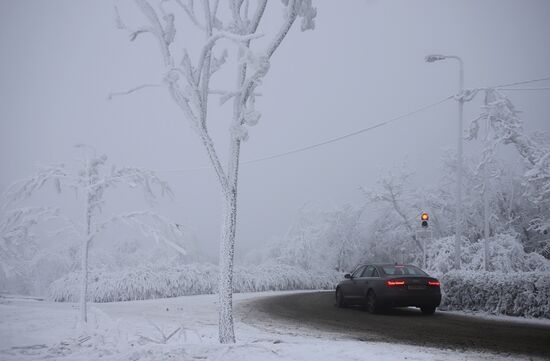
{"x": 434, "y": 57}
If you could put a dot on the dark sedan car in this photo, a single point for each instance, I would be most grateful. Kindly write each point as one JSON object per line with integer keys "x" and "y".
{"x": 380, "y": 286}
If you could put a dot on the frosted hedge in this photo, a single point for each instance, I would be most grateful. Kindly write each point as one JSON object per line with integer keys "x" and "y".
{"x": 514, "y": 294}
{"x": 158, "y": 282}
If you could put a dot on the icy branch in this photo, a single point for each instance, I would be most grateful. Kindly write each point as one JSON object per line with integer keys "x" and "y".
{"x": 26, "y": 187}
{"x": 164, "y": 337}
{"x": 190, "y": 11}
{"x": 16, "y": 236}
{"x": 15, "y": 225}
{"x": 226, "y": 95}
{"x": 220, "y": 35}
{"x": 164, "y": 34}
{"x": 150, "y": 224}
{"x": 132, "y": 90}
{"x": 144, "y": 178}
{"x": 507, "y": 126}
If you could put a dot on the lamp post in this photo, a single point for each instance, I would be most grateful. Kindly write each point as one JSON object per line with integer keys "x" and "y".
{"x": 458, "y": 224}
{"x": 486, "y": 230}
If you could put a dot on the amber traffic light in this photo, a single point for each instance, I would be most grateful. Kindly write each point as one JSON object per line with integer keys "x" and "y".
{"x": 424, "y": 218}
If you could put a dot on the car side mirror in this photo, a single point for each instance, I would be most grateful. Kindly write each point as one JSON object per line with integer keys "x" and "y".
{"x": 348, "y": 276}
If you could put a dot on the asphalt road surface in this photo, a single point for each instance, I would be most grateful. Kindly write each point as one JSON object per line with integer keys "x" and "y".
{"x": 316, "y": 312}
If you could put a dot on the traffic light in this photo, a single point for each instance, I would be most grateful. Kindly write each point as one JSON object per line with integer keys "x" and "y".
{"x": 424, "y": 218}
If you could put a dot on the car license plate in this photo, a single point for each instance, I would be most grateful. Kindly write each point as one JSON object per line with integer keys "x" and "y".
{"x": 412, "y": 287}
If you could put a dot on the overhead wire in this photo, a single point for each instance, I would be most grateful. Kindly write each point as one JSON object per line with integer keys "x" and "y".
{"x": 518, "y": 83}
{"x": 372, "y": 127}
{"x": 328, "y": 141}
{"x": 352, "y": 134}
{"x": 525, "y": 89}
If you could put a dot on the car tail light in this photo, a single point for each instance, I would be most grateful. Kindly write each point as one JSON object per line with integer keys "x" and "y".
{"x": 434, "y": 283}
{"x": 392, "y": 283}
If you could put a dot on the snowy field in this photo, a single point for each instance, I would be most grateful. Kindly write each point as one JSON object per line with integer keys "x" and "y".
{"x": 183, "y": 328}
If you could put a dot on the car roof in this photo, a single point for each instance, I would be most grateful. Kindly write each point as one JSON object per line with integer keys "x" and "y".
{"x": 386, "y": 264}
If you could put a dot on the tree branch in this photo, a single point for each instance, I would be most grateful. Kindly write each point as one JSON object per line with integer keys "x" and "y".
{"x": 163, "y": 36}
{"x": 132, "y": 90}
{"x": 190, "y": 11}
{"x": 162, "y": 229}
{"x": 25, "y": 188}
{"x": 207, "y": 47}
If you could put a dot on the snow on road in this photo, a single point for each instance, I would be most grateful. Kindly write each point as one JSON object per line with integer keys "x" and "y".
{"x": 183, "y": 328}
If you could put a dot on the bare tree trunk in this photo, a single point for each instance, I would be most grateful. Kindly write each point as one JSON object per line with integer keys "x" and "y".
{"x": 84, "y": 260}
{"x": 229, "y": 226}
{"x": 225, "y": 284}
{"x": 227, "y": 247}
{"x": 84, "y": 281}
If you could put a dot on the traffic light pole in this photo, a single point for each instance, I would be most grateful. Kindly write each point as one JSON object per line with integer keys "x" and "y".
{"x": 424, "y": 253}
{"x": 423, "y": 233}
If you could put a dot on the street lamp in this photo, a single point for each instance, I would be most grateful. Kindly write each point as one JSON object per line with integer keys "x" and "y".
{"x": 458, "y": 224}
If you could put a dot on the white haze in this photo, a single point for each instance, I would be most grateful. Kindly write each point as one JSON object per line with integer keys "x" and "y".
{"x": 363, "y": 64}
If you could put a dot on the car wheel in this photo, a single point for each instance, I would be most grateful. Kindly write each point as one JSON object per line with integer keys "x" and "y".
{"x": 428, "y": 310}
{"x": 372, "y": 305}
{"x": 340, "y": 301}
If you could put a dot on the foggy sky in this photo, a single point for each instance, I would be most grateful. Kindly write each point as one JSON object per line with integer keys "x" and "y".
{"x": 361, "y": 65}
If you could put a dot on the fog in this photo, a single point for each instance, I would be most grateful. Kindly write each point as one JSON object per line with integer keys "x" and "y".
{"x": 363, "y": 64}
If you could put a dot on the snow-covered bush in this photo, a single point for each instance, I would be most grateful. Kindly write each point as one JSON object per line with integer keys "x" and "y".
{"x": 506, "y": 254}
{"x": 514, "y": 294}
{"x": 519, "y": 284}
{"x": 156, "y": 282}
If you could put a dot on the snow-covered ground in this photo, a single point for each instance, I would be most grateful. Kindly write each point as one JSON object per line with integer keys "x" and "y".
{"x": 488, "y": 316}
{"x": 183, "y": 328}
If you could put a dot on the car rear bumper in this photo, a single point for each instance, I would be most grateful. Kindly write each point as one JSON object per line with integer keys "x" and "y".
{"x": 405, "y": 300}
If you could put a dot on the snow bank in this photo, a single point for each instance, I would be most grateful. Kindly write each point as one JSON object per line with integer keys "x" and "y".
{"x": 193, "y": 279}
{"x": 514, "y": 294}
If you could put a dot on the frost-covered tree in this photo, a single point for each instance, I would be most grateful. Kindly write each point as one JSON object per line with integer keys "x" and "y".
{"x": 507, "y": 128}
{"x": 343, "y": 236}
{"x": 392, "y": 192}
{"x": 509, "y": 211}
{"x": 398, "y": 207}
{"x": 321, "y": 239}
{"x": 91, "y": 180}
{"x": 301, "y": 243}
{"x": 188, "y": 83}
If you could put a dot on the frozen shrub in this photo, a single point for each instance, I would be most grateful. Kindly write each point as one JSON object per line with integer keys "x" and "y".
{"x": 513, "y": 294}
{"x": 193, "y": 279}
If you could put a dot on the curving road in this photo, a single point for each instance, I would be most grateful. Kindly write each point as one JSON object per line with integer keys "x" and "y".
{"x": 315, "y": 311}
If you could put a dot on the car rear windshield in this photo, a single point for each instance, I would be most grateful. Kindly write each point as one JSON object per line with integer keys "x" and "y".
{"x": 403, "y": 270}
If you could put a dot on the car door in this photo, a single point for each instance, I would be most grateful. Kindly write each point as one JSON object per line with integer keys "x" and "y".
{"x": 376, "y": 282}
{"x": 351, "y": 286}
{"x": 364, "y": 282}
{"x": 359, "y": 283}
